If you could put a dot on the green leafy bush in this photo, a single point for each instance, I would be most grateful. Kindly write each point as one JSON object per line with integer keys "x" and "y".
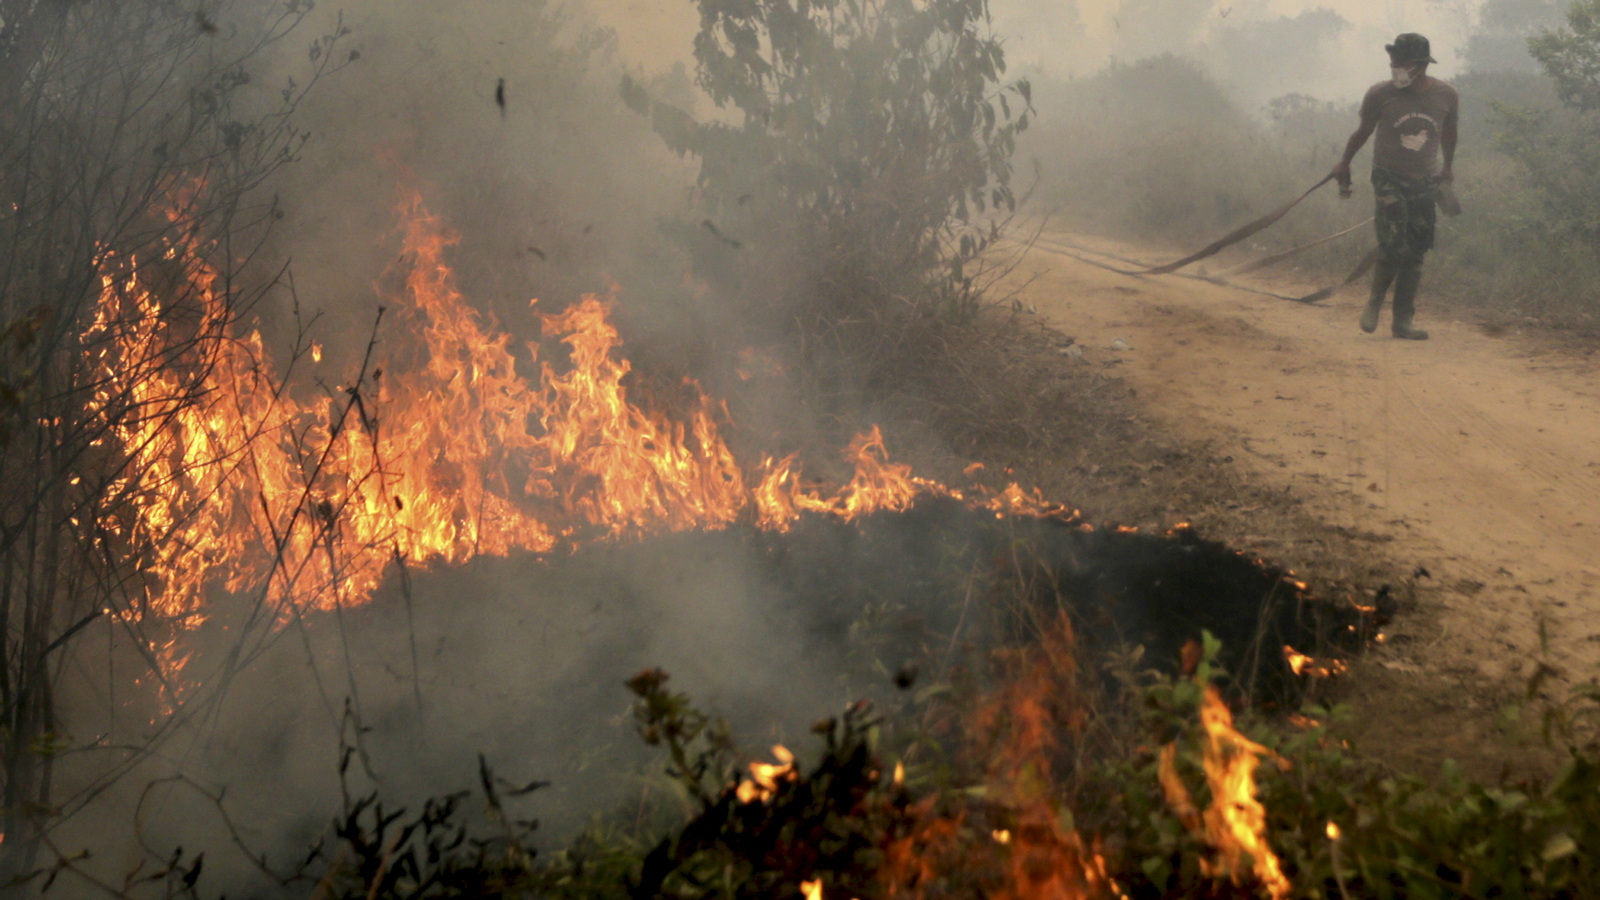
{"x": 859, "y": 145}
{"x": 1340, "y": 825}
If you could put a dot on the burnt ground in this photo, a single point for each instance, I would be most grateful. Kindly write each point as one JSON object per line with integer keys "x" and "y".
{"x": 1015, "y": 395}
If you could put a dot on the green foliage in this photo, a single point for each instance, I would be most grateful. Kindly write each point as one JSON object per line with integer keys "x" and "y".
{"x": 1556, "y": 150}
{"x": 700, "y": 747}
{"x": 1557, "y": 153}
{"x": 1399, "y": 836}
{"x": 1395, "y": 836}
{"x": 1500, "y": 43}
{"x": 1571, "y": 56}
{"x": 867, "y": 140}
{"x": 830, "y": 823}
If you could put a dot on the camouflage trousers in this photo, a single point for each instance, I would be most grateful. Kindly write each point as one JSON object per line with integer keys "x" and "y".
{"x": 1406, "y": 213}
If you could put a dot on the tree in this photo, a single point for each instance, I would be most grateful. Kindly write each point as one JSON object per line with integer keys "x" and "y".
{"x": 1500, "y": 41}
{"x": 868, "y": 139}
{"x": 1571, "y": 55}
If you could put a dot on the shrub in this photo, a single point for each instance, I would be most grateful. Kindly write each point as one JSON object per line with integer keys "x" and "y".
{"x": 864, "y": 143}
{"x": 1016, "y": 811}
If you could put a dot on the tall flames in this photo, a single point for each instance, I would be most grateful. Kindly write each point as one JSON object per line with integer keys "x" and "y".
{"x": 437, "y": 450}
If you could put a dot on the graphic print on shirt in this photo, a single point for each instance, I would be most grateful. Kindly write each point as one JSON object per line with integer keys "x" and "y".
{"x": 1415, "y": 130}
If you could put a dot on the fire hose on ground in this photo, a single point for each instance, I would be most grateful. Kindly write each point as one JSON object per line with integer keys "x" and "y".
{"x": 1449, "y": 205}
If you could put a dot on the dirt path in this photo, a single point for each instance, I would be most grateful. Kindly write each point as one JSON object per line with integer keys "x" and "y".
{"x": 1479, "y": 456}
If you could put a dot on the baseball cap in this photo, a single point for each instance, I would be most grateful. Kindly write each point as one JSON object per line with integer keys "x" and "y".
{"x": 1410, "y": 47}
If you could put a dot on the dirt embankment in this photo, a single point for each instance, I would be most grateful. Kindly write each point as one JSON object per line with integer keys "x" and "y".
{"x": 1462, "y": 472}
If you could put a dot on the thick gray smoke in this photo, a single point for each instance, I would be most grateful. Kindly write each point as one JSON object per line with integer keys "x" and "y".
{"x": 520, "y": 660}
{"x": 504, "y": 118}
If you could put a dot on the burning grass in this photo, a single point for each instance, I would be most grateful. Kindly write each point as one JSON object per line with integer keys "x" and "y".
{"x": 430, "y": 452}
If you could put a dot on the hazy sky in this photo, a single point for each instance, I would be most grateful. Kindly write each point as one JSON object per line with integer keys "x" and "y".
{"x": 1076, "y": 37}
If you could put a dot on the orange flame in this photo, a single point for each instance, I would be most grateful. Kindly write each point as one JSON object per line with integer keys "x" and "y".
{"x": 1234, "y": 823}
{"x": 765, "y": 778}
{"x": 1046, "y": 858}
{"x": 1301, "y": 664}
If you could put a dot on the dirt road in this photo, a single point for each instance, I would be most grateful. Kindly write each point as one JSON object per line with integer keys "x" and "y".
{"x": 1479, "y": 455}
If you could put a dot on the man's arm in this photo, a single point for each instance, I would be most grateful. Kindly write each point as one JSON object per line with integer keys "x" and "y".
{"x": 1447, "y": 143}
{"x": 1358, "y": 139}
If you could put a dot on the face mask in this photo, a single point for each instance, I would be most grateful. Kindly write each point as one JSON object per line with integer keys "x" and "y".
{"x": 1402, "y": 76}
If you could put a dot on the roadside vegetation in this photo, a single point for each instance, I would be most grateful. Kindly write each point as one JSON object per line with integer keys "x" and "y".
{"x": 1025, "y": 777}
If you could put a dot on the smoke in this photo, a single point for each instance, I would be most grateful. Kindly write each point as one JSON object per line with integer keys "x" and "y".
{"x": 521, "y": 660}
{"x": 505, "y": 118}
{"x": 1257, "y": 49}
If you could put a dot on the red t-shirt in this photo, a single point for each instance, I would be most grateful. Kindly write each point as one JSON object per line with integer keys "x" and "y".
{"x": 1410, "y": 121}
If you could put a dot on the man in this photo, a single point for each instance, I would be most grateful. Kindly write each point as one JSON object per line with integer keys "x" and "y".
{"x": 1414, "y": 116}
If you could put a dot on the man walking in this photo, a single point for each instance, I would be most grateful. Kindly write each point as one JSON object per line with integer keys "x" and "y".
{"x": 1414, "y": 116}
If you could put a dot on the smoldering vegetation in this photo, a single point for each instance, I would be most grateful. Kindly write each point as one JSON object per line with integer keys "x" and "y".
{"x": 523, "y": 661}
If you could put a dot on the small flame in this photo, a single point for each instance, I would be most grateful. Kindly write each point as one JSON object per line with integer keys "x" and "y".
{"x": 1333, "y": 831}
{"x": 1235, "y": 820}
{"x": 1298, "y": 662}
{"x": 812, "y": 890}
{"x": 1001, "y": 836}
{"x": 899, "y": 779}
{"x": 1301, "y": 664}
{"x": 1234, "y": 824}
{"x": 765, "y": 778}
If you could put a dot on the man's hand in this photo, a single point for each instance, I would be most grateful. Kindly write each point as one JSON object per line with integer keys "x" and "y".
{"x": 1447, "y": 175}
{"x": 1341, "y": 174}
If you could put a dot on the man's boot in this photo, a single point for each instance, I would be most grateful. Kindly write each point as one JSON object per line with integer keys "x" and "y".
{"x": 1383, "y": 275}
{"x": 1405, "y": 303}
